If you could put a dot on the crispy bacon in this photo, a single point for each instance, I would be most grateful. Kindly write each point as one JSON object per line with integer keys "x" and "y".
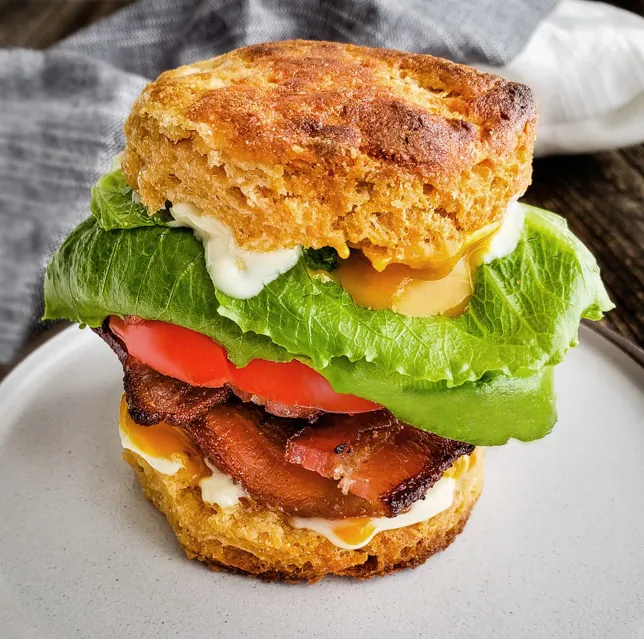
{"x": 153, "y": 398}
{"x": 248, "y": 444}
{"x": 376, "y": 457}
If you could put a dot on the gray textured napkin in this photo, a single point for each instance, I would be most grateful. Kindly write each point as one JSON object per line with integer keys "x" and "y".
{"x": 61, "y": 110}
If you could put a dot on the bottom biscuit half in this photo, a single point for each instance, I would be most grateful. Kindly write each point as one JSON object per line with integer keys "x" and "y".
{"x": 252, "y": 540}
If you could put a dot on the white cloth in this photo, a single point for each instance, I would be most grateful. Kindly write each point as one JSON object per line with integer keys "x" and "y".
{"x": 585, "y": 62}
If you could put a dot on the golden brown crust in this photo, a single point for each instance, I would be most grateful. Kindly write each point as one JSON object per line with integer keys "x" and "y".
{"x": 327, "y": 144}
{"x": 251, "y": 540}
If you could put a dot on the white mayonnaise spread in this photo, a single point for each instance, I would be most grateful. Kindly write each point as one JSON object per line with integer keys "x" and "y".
{"x": 219, "y": 489}
{"x": 438, "y": 499}
{"x": 233, "y": 270}
{"x": 505, "y": 240}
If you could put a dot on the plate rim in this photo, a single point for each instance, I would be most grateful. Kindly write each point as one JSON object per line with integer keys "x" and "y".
{"x": 34, "y": 366}
{"x": 628, "y": 347}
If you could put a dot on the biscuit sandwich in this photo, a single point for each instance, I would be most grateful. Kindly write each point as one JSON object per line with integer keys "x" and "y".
{"x": 311, "y": 261}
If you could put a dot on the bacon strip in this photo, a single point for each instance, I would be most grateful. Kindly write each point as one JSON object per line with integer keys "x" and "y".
{"x": 153, "y": 398}
{"x": 249, "y": 445}
{"x": 375, "y": 457}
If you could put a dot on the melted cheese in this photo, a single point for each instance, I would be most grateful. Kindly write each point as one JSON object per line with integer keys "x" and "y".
{"x": 406, "y": 290}
{"x": 459, "y": 467}
{"x": 357, "y": 532}
{"x": 233, "y": 270}
{"x": 163, "y": 465}
{"x": 442, "y": 287}
{"x": 166, "y": 448}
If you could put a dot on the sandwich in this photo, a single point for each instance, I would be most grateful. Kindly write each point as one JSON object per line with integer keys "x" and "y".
{"x": 311, "y": 261}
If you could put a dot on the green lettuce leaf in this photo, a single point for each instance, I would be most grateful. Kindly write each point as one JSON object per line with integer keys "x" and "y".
{"x": 524, "y": 314}
{"x": 155, "y": 273}
{"x": 114, "y": 206}
{"x": 160, "y": 273}
{"x": 325, "y": 259}
{"x": 449, "y": 376}
{"x": 482, "y": 412}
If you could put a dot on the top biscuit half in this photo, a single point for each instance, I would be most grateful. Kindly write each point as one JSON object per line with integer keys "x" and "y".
{"x": 325, "y": 144}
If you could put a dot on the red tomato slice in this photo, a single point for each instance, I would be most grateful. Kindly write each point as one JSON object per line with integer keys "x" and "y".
{"x": 196, "y": 359}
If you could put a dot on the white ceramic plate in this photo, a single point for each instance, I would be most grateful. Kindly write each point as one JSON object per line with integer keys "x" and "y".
{"x": 554, "y": 548}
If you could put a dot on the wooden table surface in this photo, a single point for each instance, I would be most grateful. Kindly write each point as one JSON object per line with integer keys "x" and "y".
{"x": 601, "y": 195}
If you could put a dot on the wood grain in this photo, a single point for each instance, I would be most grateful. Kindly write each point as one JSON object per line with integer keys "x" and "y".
{"x": 37, "y": 24}
{"x": 601, "y": 195}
